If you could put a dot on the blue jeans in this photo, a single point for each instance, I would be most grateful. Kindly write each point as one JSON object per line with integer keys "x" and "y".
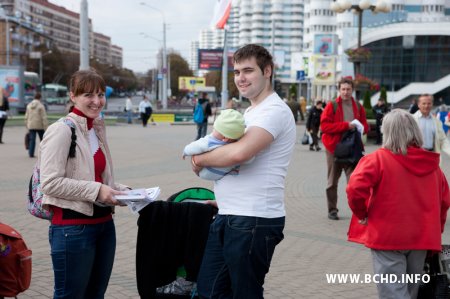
{"x": 201, "y": 130}
{"x": 82, "y": 257}
{"x": 129, "y": 116}
{"x": 32, "y": 140}
{"x": 237, "y": 256}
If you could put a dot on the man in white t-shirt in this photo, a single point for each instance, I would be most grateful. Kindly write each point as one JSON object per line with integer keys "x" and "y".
{"x": 251, "y": 216}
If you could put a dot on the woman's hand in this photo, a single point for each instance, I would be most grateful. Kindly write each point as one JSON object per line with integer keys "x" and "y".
{"x": 106, "y": 196}
{"x": 363, "y": 221}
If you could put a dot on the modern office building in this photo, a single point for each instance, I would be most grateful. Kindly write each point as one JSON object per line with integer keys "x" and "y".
{"x": 410, "y": 45}
{"x": 274, "y": 24}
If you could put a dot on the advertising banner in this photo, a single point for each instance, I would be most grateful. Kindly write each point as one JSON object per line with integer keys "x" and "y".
{"x": 325, "y": 44}
{"x": 190, "y": 83}
{"x": 10, "y": 82}
{"x": 324, "y": 69}
{"x": 211, "y": 59}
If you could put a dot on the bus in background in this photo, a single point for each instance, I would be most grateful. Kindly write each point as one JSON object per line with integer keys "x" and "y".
{"x": 55, "y": 94}
{"x": 31, "y": 85}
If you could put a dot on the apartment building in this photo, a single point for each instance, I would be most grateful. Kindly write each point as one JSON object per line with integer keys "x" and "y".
{"x": 59, "y": 23}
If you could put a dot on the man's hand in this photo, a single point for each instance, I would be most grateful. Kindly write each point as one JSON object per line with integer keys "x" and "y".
{"x": 195, "y": 168}
{"x": 351, "y": 126}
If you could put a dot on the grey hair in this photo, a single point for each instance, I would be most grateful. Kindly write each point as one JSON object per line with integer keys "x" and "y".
{"x": 400, "y": 130}
{"x": 443, "y": 107}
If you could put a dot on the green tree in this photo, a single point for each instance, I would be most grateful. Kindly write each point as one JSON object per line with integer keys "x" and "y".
{"x": 292, "y": 91}
{"x": 214, "y": 78}
{"x": 367, "y": 105}
{"x": 179, "y": 67}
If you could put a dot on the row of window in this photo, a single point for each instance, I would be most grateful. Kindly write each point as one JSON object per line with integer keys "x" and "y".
{"x": 433, "y": 8}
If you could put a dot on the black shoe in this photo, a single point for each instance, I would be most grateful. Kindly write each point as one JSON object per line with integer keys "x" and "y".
{"x": 333, "y": 215}
{"x": 318, "y": 149}
{"x": 311, "y": 148}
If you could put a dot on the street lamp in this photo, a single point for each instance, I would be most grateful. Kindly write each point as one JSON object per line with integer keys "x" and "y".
{"x": 341, "y": 6}
{"x": 164, "y": 54}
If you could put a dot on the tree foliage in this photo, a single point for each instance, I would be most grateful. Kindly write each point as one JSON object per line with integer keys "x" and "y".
{"x": 179, "y": 67}
{"x": 214, "y": 78}
{"x": 367, "y": 105}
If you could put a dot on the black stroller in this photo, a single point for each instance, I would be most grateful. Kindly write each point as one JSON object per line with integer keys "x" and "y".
{"x": 171, "y": 240}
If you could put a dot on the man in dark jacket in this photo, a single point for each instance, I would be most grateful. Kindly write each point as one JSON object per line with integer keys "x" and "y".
{"x": 313, "y": 124}
{"x": 203, "y": 127}
{"x": 379, "y": 110}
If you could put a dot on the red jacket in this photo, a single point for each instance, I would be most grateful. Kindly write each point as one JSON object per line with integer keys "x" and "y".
{"x": 333, "y": 125}
{"x": 404, "y": 197}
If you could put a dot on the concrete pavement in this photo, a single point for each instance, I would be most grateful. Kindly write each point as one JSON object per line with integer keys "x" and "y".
{"x": 146, "y": 157}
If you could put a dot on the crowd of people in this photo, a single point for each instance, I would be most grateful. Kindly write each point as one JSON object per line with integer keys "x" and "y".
{"x": 247, "y": 157}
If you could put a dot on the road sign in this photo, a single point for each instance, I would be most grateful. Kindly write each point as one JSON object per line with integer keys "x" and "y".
{"x": 300, "y": 75}
{"x": 159, "y": 77}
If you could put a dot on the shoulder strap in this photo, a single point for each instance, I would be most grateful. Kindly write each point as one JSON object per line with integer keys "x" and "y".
{"x": 334, "y": 103}
{"x": 73, "y": 143}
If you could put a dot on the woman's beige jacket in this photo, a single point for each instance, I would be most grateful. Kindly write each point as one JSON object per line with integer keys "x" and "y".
{"x": 69, "y": 183}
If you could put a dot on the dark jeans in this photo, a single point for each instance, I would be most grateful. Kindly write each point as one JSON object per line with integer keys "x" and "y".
{"x": 145, "y": 117}
{"x": 237, "y": 256}
{"x": 2, "y": 124}
{"x": 82, "y": 257}
{"x": 32, "y": 139}
{"x": 201, "y": 130}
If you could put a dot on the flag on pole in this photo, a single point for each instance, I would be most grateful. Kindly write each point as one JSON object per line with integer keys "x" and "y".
{"x": 221, "y": 13}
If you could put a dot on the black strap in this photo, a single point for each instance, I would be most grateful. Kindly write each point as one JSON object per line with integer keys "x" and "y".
{"x": 73, "y": 143}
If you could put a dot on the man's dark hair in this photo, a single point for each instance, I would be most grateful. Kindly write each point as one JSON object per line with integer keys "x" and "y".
{"x": 262, "y": 56}
{"x": 346, "y": 80}
{"x": 37, "y": 96}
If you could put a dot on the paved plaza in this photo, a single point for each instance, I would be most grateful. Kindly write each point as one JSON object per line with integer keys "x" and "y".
{"x": 147, "y": 157}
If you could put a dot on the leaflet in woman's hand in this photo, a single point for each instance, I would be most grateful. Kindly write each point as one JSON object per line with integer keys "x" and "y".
{"x": 139, "y": 195}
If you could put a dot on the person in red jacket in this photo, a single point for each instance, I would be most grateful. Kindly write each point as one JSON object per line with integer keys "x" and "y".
{"x": 399, "y": 197}
{"x": 335, "y": 120}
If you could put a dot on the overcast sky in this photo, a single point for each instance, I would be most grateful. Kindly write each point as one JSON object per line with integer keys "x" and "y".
{"x": 124, "y": 21}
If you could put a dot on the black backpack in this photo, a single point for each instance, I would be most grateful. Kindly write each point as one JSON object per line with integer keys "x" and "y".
{"x": 350, "y": 149}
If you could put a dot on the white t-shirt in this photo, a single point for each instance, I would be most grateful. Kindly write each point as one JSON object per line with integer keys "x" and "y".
{"x": 258, "y": 190}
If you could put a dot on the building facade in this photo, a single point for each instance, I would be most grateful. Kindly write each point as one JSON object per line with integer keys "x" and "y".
{"x": 274, "y": 24}
{"x": 60, "y": 24}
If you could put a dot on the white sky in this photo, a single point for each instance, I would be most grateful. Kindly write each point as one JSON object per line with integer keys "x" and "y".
{"x": 124, "y": 20}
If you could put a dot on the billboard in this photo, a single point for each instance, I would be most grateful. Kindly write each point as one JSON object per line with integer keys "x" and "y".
{"x": 211, "y": 59}
{"x": 325, "y": 44}
{"x": 11, "y": 78}
{"x": 190, "y": 83}
{"x": 324, "y": 69}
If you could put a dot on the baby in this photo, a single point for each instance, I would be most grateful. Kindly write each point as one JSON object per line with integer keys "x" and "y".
{"x": 228, "y": 127}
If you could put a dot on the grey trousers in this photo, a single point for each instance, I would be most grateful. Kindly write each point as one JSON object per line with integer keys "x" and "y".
{"x": 334, "y": 171}
{"x": 398, "y": 262}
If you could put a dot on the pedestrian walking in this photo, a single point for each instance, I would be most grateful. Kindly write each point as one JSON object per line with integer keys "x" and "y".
{"x": 313, "y": 125}
{"x": 399, "y": 227}
{"x": 129, "y": 109}
{"x": 338, "y": 117}
{"x": 146, "y": 110}
{"x": 36, "y": 122}
{"x": 303, "y": 105}
{"x": 202, "y": 127}
{"x": 4, "y": 107}
{"x": 80, "y": 191}
{"x": 251, "y": 216}
{"x": 379, "y": 110}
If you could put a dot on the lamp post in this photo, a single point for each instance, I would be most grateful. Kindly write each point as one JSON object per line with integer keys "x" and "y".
{"x": 164, "y": 54}
{"x": 341, "y": 6}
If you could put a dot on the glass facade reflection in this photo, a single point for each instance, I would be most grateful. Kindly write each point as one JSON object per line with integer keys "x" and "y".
{"x": 398, "y": 61}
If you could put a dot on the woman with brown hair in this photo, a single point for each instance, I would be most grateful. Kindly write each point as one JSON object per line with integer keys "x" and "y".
{"x": 81, "y": 193}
